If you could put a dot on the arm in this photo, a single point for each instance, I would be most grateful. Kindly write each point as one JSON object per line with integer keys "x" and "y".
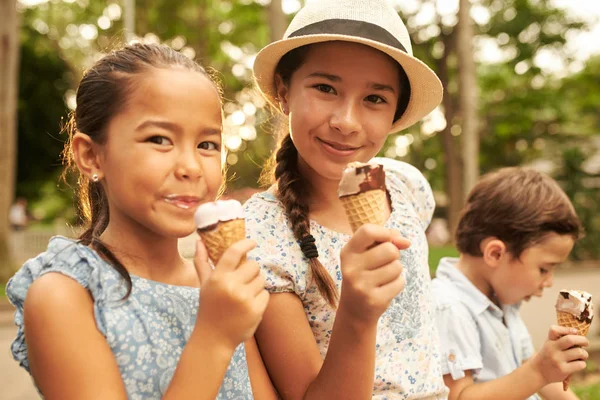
{"x": 70, "y": 358}
{"x": 371, "y": 279}
{"x": 559, "y": 357}
{"x": 554, "y": 391}
{"x": 262, "y": 388}
{"x": 295, "y": 363}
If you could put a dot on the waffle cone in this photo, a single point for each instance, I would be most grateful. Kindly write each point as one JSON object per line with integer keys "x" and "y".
{"x": 570, "y": 321}
{"x": 365, "y": 208}
{"x": 220, "y": 238}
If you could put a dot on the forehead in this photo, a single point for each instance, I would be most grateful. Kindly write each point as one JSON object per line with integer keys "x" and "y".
{"x": 553, "y": 248}
{"x": 351, "y": 58}
{"x": 180, "y": 93}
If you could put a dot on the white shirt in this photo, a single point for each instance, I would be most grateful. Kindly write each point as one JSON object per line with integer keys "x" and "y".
{"x": 476, "y": 334}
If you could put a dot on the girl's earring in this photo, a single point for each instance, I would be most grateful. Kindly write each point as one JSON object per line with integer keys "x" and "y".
{"x": 284, "y": 108}
{"x": 95, "y": 178}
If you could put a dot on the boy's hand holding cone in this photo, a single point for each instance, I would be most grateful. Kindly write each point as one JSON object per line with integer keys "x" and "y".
{"x": 574, "y": 309}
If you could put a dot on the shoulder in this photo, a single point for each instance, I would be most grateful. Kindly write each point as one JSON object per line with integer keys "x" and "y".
{"x": 403, "y": 174}
{"x": 265, "y": 216}
{"x": 411, "y": 186}
{"x": 447, "y": 297}
{"x": 66, "y": 276}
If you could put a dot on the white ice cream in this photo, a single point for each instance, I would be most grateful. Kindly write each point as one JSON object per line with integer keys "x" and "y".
{"x": 575, "y": 302}
{"x": 217, "y": 211}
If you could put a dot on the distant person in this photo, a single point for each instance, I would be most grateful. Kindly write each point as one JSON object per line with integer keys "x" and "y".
{"x": 515, "y": 228}
{"x": 18, "y": 217}
{"x": 119, "y": 313}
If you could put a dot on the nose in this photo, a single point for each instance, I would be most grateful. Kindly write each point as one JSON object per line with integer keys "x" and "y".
{"x": 549, "y": 280}
{"x": 188, "y": 165}
{"x": 345, "y": 118}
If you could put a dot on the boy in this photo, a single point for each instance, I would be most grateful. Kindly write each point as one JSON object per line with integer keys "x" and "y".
{"x": 516, "y": 227}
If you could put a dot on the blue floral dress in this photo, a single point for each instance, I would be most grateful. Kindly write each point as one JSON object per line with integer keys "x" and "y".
{"x": 146, "y": 333}
{"x": 407, "y": 356}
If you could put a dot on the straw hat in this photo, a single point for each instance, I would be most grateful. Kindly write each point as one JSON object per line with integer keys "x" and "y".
{"x": 374, "y": 23}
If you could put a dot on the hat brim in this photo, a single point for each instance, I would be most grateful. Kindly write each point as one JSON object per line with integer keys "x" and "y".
{"x": 426, "y": 88}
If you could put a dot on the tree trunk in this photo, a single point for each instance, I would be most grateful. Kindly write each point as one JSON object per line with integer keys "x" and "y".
{"x": 277, "y": 20}
{"x": 467, "y": 90}
{"x": 9, "y": 59}
{"x": 450, "y": 144}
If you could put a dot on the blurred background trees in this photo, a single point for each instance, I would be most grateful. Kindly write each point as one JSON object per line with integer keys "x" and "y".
{"x": 528, "y": 97}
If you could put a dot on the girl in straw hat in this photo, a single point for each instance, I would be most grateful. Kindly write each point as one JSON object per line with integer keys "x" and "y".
{"x": 350, "y": 315}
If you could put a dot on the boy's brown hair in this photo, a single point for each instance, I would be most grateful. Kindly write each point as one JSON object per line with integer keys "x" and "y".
{"x": 518, "y": 206}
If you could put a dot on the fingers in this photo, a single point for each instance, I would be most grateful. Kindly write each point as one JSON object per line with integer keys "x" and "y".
{"x": 569, "y": 341}
{"x": 381, "y": 254}
{"x": 557, "y": 331}
{"x": 392, "y": 289}
{"x": 233, "y": 256}
{"x": 201, "y": 263}
{"x": 576, "y": 354}
{"x": 368, "y": 235}
{"x": 247, "y": 271}
{"x": 400, "y": 242}
{"x": 385, "y": 274}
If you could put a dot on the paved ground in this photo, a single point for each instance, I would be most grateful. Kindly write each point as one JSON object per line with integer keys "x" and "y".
{"x": 15, "y": 383}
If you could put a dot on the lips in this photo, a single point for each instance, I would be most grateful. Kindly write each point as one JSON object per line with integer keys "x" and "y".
{"x": 182, "y": 201}
{"x": 338, "y": 149}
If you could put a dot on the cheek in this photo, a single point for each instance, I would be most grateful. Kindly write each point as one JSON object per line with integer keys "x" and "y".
{"x": 213, "y": 174}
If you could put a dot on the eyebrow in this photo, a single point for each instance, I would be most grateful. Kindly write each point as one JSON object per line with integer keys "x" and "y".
{"x": 160, "y": 124}
{"x": 335, "y": 78}
{"x": 173, "y": 127}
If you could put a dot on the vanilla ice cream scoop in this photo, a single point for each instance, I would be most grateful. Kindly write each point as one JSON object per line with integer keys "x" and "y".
{"x": 209, "y": 214}
{"x": 577, "y": 303}
{"x": 361, "y": 177}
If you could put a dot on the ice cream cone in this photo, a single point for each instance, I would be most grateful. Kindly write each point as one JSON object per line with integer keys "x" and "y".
{"x": 574, "y": 309}
{"x": 220, "y": 224}
{"x": 365, "y": 208}
{"x": 363, "y": 194}
{"x": 220, "y": 238}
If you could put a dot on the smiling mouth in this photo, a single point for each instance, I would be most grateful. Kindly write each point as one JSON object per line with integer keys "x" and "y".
{"x": 338, "y": 146}
{"x": 183, "y": 202}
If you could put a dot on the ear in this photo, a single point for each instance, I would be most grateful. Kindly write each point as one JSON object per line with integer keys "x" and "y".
{"x": 282, "y": 94}
{"x": 494, "y": 251}
{"x": 86, "y": 155}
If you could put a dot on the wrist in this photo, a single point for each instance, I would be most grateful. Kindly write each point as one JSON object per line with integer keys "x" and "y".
{"x": 353, "y": 323}
{"x": 533, "y": 371}
{"x": 210, "y": 339}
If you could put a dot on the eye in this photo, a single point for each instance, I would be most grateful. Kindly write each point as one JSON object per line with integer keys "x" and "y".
{"x": 208, "y": 146}
{"x": 544, "y": 271}
{"x": 324, "y": 88}
{"x": 160, "y": 140}
{"x": 375, "y": 99}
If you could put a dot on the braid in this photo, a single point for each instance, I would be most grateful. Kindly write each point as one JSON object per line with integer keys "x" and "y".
{"x": 290, "y": 190}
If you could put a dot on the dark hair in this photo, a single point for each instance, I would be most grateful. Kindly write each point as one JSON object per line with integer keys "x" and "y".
{"x": 292, "y": 189}
{"x": 102, "y": 93}
{"x": 518, "y": 206}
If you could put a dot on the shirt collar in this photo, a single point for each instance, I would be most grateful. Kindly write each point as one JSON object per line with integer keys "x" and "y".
{"x": 473, "y": 298}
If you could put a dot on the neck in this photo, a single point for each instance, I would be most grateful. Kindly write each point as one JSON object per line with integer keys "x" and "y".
{"x": 476, "y": 270}
{"x": 144, "y": 253}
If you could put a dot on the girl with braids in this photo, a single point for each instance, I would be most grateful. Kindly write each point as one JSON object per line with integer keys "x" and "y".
{"x": 116, "y": 314}
{"x": 350, "y": 315}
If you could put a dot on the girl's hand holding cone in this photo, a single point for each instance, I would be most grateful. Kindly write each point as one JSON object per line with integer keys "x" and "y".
{"x": 371, "y": 272}
{"x": 232, "y": 296}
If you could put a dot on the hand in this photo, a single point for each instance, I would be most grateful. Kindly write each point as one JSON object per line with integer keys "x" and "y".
{"x": 232, "y": 296}
{"x": 371, "y": 272}
{"x": 561, "y": 355}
